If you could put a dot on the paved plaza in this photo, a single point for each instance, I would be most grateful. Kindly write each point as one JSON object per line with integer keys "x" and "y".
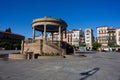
{"x": 97, "y": 66}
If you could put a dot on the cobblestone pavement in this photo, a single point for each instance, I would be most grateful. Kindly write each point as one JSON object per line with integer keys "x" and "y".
{"x": 98, "y": 66}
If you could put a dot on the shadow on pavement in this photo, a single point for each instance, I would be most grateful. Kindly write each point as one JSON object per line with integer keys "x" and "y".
{"x": 89, "y": 73}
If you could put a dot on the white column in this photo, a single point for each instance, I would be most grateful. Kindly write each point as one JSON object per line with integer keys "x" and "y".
{"x": 22, "y": 47}
{"x": 62, "y": 36}
{"x": 44, "y": 32}
{"x": 33, "y": 33}
{"x": 59, "y": 36}
{"x": 65, "y": 33}
{"x": 59, "y": 33}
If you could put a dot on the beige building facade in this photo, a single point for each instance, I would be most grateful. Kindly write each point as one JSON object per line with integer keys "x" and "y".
{"x": 102, "y": 36}
{"x": 107, "y": 35}
{"x": 118, "y": 36}
{"x": 112, "y": 35}
{"x": 89, "y": 38}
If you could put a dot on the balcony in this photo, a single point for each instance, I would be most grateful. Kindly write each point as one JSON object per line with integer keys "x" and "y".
{"x": 103, "y": 37}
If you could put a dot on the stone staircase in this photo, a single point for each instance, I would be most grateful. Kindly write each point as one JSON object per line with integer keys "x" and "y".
{"x": 49, "y": 48}
{"x": 53, "y": 45}
{"x": 38, "y": 47}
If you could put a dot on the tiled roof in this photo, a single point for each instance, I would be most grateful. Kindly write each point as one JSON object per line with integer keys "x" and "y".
{"x": 10, "y": 33}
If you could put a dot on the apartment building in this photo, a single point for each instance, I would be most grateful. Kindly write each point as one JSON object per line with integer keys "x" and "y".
{"x": 112, "y": 35}
{"x": 102, "y": 36}
{"x": 69, "y": 37}
{"x": 73, "y": 37}
{"x": 118, "y": 36}
{"x": 106, "y": 35}
{"x": 89, "y": 38}
{"x": 55, "y": 37}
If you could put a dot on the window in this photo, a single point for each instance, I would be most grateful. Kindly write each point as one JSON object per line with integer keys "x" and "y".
{"x": 87, "y": 31}
{"x": 99, "y": 31}
{"x": 87, "y": 41}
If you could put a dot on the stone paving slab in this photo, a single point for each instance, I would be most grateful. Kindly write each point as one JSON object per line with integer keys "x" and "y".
{"x": 99, "y": 66}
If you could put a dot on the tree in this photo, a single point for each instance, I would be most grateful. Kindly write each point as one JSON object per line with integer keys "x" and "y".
{"x": 111, "y": 44}
{"x": 17, "y": 46}
{"x": 96, "y": 45}
{"x": 117, "y": 45}
{"x": 6, "y": 45}
{"x": 8, "y": 30}
{"x": 82, "y": 44}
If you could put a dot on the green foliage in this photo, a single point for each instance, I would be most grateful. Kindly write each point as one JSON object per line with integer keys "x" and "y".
{"x": 82, "y": 44}
{"x": 5, "y": 45}
{"x": 8, "y": 30}
{"x": 8, "y": 45}
{"x": 112, "y": 44}
{"x": 96, "y": 45}
{"x": 117, "y": 45}
{"x": 17, "y": 46}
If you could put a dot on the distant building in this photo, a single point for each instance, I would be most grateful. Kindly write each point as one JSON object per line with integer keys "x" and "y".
{"x": 82, "y": 39}
{"x": 112, "y": 35}
{"x": 89, "y": 38}
{"x": 55, "y": 37}
{"x": 11, "y": 38}
{"x": 72, "y": 37}
{"x": 69, "y": 37}
{"x": 118, "y": 36}
{"x": 75, "y": 37}
{"x": 106, "y": 35}
{"x": 102, "y": 36}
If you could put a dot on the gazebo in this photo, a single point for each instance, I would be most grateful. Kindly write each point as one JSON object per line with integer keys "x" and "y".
{"x": 40, "y": 46}
{"x": 51, "y": 25}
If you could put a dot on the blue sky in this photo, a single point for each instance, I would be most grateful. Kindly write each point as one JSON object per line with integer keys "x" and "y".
{"x": 79, "y": 14}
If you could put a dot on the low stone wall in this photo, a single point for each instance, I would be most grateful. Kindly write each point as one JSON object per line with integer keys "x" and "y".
{"x": 17, "y": 56}
{"x": 46, "y": 57}
{"x": 33, "y": 46}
